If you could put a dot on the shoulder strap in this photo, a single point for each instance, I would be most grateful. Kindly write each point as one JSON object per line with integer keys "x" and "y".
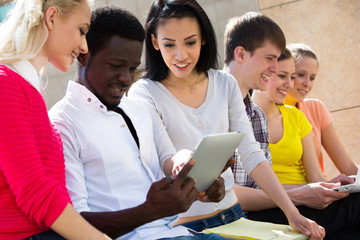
{"x": 131, "y": 126}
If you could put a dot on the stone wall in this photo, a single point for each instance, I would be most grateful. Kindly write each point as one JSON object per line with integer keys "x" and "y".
{"x": 219, "y": 11}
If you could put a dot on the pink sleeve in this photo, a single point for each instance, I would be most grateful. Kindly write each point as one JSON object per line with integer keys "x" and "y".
{"x": 41, "y": 197}
{"x": 317, "y": 113}
{"x": 326, "y": 118}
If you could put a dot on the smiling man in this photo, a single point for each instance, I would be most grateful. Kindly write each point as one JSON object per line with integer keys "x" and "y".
{"x": 253, "y": 43}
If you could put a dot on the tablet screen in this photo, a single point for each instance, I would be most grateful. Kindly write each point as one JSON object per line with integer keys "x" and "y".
{"x": 211, "y": 155}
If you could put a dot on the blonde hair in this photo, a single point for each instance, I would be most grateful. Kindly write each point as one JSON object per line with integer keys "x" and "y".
{"x": 301, "y": 50}
{"x": 24, "y": 32}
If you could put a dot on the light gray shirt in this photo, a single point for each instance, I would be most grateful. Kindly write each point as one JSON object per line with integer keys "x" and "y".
{"x": 178, "y": 126}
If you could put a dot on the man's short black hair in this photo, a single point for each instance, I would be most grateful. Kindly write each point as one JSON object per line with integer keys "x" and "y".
{"x": 110, "y": 21}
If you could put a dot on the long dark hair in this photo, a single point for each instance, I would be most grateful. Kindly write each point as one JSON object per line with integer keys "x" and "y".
{"x": 155, "y": 67}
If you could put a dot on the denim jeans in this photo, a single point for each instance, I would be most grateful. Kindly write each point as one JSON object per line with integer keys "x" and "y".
{"x": 48, "y": 235}
{"x": 197, "y": 236}
{"x": 227, "y": 216}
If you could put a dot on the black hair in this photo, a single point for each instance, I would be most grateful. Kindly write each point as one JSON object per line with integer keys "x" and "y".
{"x": 110, "y": 21}
{"x": 155, "y": 66}
{"x": 250, "y": 31}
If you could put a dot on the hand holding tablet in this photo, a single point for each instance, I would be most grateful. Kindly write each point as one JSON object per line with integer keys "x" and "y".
{"x": 211, "y": 156}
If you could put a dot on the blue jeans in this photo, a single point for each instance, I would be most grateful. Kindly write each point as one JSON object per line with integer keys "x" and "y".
{"x": 197, "y": 236}
{"x": 227, "y": 216}
{"x": 48, "y": 235}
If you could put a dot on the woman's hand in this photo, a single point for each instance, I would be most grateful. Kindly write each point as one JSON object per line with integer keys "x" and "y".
{"x": 179, "y": 160}
{"x": 307, "y": 227}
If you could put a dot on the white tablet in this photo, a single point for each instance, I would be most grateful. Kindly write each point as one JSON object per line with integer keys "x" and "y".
{"x": 211, "y": 155}
{"x": 351, "y": 188}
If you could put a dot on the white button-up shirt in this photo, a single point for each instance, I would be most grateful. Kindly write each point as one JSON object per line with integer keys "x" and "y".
{"x": 105, "y": 171}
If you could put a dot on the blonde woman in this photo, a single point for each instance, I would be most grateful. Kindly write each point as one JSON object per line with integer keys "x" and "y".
{"x": 34, "y": 202}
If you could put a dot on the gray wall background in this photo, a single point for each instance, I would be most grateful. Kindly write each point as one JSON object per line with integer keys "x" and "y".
{"x": 219, "y": 11}
{"x": 331, "y": 28}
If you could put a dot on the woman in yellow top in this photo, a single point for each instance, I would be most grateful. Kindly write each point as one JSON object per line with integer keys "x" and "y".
{"x": 290, "y": 134}
{"x": 306, "y": 69}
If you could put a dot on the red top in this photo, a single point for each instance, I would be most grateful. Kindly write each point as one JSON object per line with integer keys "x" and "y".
{"x": 32, "y": 168}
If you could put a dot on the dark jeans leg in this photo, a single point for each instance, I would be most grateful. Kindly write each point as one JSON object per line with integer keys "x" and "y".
{"x": 345, "y": 234}
{"x": 48, "y": 235}
{"x": 200, "y": 236}
{"x": 339, "y": 216}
